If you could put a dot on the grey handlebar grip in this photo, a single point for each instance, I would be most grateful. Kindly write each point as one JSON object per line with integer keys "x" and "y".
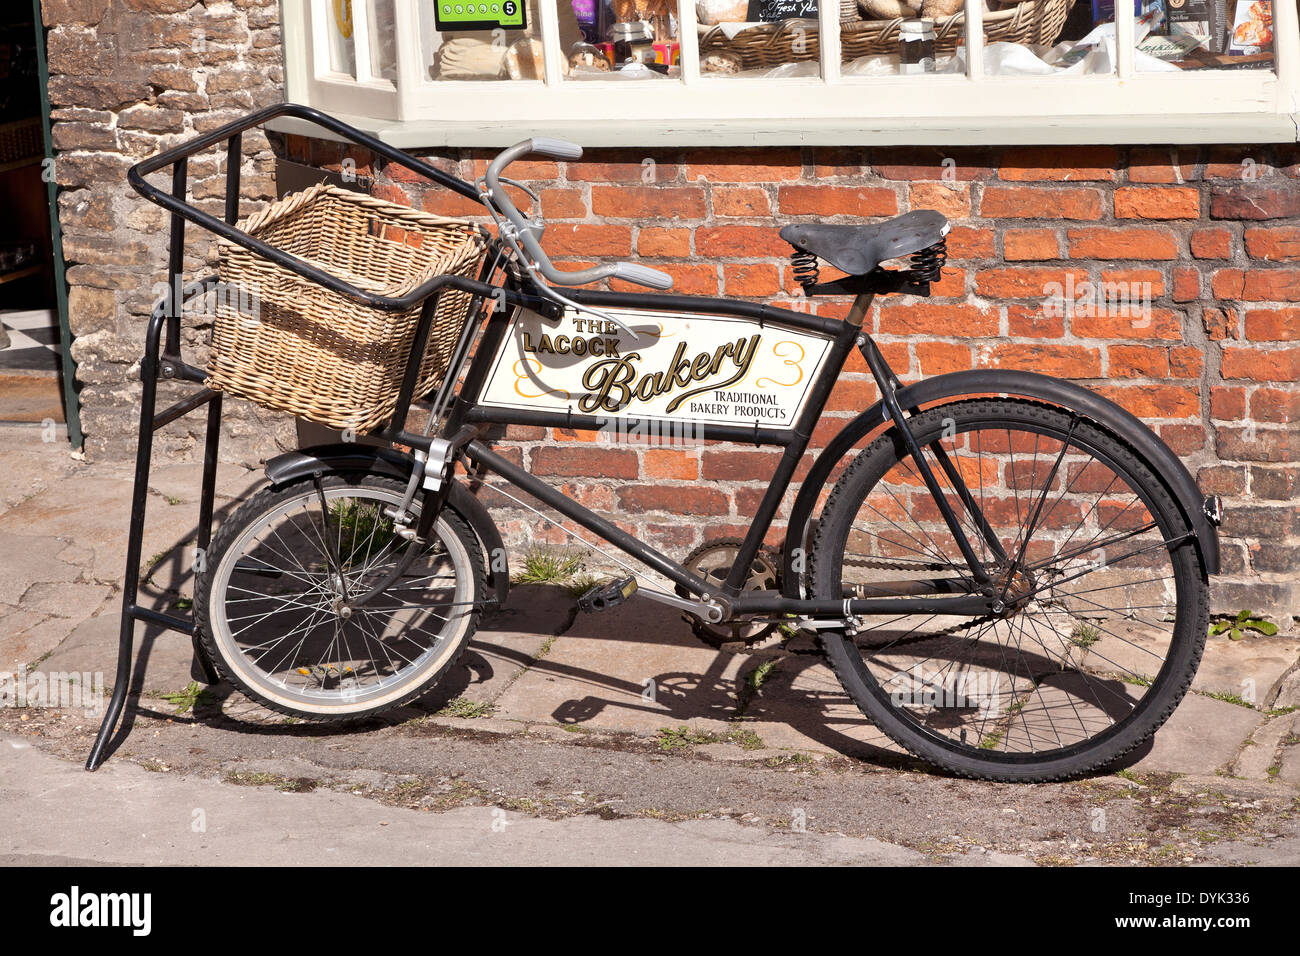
{"x": 642, "y": 275}
{"x": 559, "y": 148}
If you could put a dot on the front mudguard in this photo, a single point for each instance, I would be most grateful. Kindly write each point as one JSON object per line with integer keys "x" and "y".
{"x": 373, "y": 459}
{"x": 1177, "y": 480}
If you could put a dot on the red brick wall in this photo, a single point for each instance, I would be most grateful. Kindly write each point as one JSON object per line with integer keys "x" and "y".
{"x": 1214, "y": 230}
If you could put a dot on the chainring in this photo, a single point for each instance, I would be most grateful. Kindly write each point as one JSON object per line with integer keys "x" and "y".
{"x": 712, "y": 562}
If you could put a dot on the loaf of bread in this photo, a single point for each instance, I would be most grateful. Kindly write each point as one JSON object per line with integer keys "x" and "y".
{"x": 889, "y": 9}
{"x": 466, "y": 58}
{"x": 939, "y": 9}
{"x": 720, "y": 64}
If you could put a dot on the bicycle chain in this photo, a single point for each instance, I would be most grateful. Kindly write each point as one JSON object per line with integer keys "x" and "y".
{"x": 894, "y": 564}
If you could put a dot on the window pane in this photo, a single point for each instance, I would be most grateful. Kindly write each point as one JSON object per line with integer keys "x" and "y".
{"x": 464, "y": 39}
{"x": 769, "y": 38}
{"x": 1050, "y": 38}
{"x": 383, "y": 38}
{"x": 909, "y": 37}
{"x": 1205, "y": 35}
{"x": 338, "y": 19}
{"x": 1021, "y": 37}
{"x": 619, "y": 39}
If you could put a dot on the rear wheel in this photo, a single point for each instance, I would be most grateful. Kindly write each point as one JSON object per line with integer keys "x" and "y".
{"x": 278, "y": 608}
{"x": 1104, "y": 598}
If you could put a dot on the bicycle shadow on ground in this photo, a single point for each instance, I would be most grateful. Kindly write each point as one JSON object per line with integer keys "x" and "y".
{"x": 635, "y": 669}
{"x": 638, "y": 668}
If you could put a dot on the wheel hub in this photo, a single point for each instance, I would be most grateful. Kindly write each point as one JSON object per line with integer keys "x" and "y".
{"x": 1012, "y": 587}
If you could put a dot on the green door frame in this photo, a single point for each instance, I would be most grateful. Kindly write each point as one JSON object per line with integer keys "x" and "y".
{"x": 71, "y": 406}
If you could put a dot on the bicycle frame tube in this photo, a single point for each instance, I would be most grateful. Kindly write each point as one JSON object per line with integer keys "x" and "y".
{"x": 907, "y": 596}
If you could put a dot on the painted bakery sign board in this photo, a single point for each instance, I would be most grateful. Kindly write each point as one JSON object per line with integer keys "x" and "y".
{"x": 660, "y": 366}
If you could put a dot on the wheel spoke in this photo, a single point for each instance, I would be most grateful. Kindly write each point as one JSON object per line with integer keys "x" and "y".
{"x": 281, "y": 612}
{"x": 1092, "y": 585}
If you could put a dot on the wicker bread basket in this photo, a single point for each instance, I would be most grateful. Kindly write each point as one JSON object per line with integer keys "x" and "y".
{"x": 287, "y": 343}
{"x": 770, "y": 44}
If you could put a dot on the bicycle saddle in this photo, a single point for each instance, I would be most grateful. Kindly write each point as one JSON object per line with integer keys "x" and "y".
{"x": 858, "y": 250}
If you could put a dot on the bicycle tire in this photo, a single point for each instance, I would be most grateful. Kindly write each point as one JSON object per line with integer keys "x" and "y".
{"x": 916, "y": 721}
{"x": 237, "y": 541}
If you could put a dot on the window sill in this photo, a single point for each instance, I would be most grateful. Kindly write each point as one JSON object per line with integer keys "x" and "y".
{"x": 918, "y": 131}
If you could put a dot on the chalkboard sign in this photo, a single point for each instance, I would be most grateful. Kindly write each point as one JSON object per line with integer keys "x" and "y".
{"x": 771, "y": 11}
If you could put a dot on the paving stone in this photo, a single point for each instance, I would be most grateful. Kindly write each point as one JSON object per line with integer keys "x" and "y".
{"x": 183, "y": 481}
{"x": 26, "y": 560}
{"x": 1290, "y": 758}
{"x": 801, "y": 706}
{"x": 1288, "y": 693}
{"x": 27, "y": 636}
{"x": 73, "y": 601}
{"x": 94, "y": 513}
{"x": 1202, "y": 736}
{"x": 161, "y": 657}
{"x": 595, "y": 676}
{"x": 1257, "y": 665}
{"x": 508, "y": 642}
{"x": 30, "y": 465}
{"x": 1260, "y": 752}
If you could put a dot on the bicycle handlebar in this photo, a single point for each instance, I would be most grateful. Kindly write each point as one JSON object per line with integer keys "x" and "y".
{"x": 525, "y": 232}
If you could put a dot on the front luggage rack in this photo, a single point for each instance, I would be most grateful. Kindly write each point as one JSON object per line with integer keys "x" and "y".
{"x": 162, "y": 360}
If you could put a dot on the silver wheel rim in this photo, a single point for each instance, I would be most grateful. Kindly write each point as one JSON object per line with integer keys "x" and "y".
{"x": 291, "y": 636}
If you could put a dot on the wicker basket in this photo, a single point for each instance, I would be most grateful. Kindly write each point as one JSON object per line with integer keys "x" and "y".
{"x": 771, "y": 44}
{"x": 287, "y": 343}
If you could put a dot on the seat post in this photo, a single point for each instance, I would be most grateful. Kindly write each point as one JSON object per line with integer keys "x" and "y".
{"x": 861, "y": 306}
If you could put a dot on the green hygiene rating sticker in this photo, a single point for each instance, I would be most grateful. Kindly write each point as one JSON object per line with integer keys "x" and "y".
{"x": 482, "y": 15}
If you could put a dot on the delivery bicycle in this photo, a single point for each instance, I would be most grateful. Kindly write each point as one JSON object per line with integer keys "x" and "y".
{"x": 1007, "y": 572}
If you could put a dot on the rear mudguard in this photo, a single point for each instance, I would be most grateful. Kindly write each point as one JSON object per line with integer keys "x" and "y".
{"x": 352, "y": 458}
{"x": 1180, "y": 484}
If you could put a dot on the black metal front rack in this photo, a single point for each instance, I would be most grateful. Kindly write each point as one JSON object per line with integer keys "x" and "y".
{"x": 163, "y": 360}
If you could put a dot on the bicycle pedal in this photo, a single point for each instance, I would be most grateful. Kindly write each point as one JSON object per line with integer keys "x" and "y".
{"x": 610, "y": 594}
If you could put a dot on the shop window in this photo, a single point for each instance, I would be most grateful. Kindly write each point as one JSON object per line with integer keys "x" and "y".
{"x": 747, "y": 72}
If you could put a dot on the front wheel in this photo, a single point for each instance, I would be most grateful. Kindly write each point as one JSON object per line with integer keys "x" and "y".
{"x": 280, "y": 608}
{"x": 1103, "y": 599}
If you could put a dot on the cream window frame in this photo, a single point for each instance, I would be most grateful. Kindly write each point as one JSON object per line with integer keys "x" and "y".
{"x": 1231, "y": 106}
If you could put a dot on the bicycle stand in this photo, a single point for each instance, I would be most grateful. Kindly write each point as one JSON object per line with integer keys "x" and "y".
{"x": 170, "y": 367}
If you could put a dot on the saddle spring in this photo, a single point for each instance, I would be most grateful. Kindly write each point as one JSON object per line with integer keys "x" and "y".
{"x": 927, "y": 265}
{"x": 806, "y": 269}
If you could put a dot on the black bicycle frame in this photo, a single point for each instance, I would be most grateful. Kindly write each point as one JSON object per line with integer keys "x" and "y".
{"x": 843, "y": 336}
{"x": 162, "y": 360}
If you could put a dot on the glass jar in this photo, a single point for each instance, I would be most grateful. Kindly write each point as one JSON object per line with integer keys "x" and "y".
{"x": 632, "y": 41}
{"x": 916, "y": 46}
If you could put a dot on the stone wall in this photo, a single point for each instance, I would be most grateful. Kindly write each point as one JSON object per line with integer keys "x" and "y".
{"x": 129, "y": 78}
